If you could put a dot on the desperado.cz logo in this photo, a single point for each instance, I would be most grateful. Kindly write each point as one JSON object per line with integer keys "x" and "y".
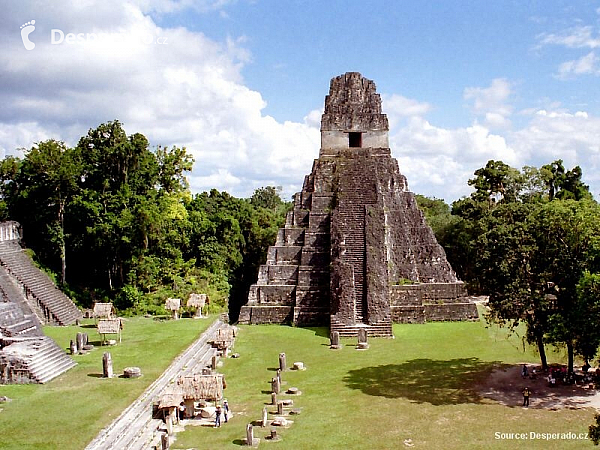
{"x": 58, "y": 37}
{"x": 26, "y": 29}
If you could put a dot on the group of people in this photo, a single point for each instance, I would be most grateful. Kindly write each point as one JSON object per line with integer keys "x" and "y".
{"x": 559, "y": 374}
{"x": 219, "y": 411}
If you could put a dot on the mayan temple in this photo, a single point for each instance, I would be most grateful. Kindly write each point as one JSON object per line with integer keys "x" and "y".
{"x": 356, "y": 250}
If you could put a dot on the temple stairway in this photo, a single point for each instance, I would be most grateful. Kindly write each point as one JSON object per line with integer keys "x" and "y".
{"x": 32, "y": 360}
{"x": 14, "y": 323}
{"x": 56, "y": 308}
{"x": 357, "y": 190}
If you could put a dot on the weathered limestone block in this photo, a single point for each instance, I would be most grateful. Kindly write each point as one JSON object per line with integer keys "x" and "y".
{"x": 107, "y": 365}
{"x": 335, "y": 340}
{"x": 132, "y": 372}
{"x": 275, "y": 385}
{"x": 282, "y": 362}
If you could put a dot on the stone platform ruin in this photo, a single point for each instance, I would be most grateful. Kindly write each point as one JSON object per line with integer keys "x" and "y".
{"x": 355, "y": 251}
{"x": 28, "y": 300}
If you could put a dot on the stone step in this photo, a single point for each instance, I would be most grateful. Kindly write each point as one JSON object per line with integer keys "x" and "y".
{"x": 372, "y": 330}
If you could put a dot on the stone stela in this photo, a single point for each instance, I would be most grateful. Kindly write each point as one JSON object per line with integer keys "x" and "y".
{"x": 355, "y": 252}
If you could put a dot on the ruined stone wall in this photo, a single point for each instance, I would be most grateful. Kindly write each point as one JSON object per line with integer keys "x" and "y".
{"x": 418, "y": 303}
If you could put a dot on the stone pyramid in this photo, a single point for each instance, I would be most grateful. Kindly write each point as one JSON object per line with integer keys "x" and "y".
{"x": 356, "y": 250}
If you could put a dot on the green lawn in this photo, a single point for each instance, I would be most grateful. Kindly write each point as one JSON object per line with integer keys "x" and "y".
{"x": 417, "y": 386}
{"x": 68, "y": 412}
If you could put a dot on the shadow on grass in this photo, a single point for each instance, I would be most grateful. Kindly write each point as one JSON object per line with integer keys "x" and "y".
{"x": 239, "y": 442}
{"x": 95, "y": 375}
{"x": 88, "y": 325}
{"x": 424, "y": 380}
{"x": 319, "y": 331}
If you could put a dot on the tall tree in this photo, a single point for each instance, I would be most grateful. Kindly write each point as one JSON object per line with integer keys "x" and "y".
{"x": 44, "y": 185}
{"x": 567, "y": 234}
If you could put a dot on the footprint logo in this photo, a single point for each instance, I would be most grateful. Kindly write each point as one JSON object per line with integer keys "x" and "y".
{"x": 26, "y": 30}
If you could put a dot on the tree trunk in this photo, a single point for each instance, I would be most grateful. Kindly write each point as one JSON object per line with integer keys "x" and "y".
{"x": 542, "y": 351}
{"x": 63, "y": 250}
{"x": 570, "y": 356}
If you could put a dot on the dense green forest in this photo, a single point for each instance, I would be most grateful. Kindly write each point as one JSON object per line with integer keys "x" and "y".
{"x": 112, "y": 219}
{"x": 530, "y": 239}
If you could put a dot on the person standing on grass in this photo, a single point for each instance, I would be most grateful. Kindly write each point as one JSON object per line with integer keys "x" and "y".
{"x": 526, "y": 394}
{"x": 225, "y": 410}
{"x": 218, "y": 416}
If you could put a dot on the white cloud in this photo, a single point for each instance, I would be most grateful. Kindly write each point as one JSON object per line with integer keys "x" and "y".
{"x": 190, "y": 92}
{"x": 577, "y": 37}
{"x": 581, "y": 36}
{"x": 446, "y": 158}
{"x": 492, "y": 102}
{"x": 587, "y": 64}
{"x": 186, "y": 91}
{"x": 439, "y": 161}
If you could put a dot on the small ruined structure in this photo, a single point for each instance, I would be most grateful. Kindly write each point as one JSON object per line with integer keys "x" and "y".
{"x": 28, "y": 300}
{"x": 103, "y": 311}
{"x": 224, "y": 339}
{"x": 356, "y": 251}
{"x": 110, "y": 326}
{"x": 190, "y": 389}
{"x": 173, "y": 305}
{"x": 197, "y": 302}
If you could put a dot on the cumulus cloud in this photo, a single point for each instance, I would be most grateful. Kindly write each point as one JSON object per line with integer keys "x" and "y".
{"x": 438, "y": 161}
{"x": 398, "y": 108}
{"x": 587, "y": 64}
{"x": 581, "y": 36}
{"x": 491, "y": 103}
{"x": 180, "y": 87}
{"x": 175, "y": 86}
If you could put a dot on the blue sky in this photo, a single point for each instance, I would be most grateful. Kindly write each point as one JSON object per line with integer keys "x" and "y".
{"x": 242, "y": 83}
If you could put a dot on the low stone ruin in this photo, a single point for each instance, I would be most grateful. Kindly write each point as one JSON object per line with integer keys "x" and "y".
{"x": 110, "y": 327}
{"x": 103, "y": 311}
{"x": 197, "y": 302}
{"x": 132, "y": 372}
{"x": 363, "y": 343}
{"x": 173, "y": 305}
{"x": 35, "y": 359}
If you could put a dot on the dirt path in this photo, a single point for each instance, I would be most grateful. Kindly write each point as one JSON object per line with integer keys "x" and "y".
{"x": 506, "y": 386}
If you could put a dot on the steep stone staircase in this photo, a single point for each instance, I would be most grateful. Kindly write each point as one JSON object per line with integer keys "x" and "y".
{"x": 355, "y": 173}
{"x": 56, "y": 308}
{"x": 14, "y": 323}
{"x": 32, "y": 360}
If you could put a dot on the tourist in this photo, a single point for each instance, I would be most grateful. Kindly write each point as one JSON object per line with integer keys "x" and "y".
{"x": 181, "y": 411}
{"x": 526, "y": 394}
{"x": 225, "y": 410}
{"x": 218, "y": 416}
{"x": 524, "y": 371}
